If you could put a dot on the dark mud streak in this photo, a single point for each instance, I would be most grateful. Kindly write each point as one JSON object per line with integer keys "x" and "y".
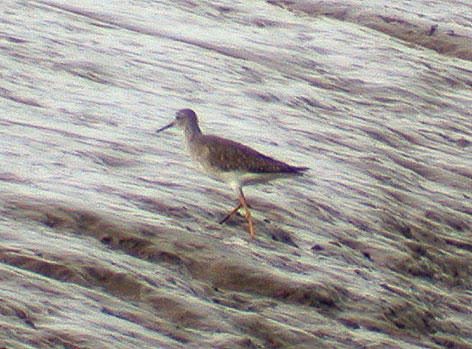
{"x": 233, "y": 275}
{"x": 226, "y": 50}
{"x": 88, "y": 71}
{"x": 170, "y": 331}
{"x": 226, "y": 274}
{"x": 80, "y": 137}
{"x": 238, "y": 54}
{"x": 16, "y": 98}
{"x": 444, "y": 41}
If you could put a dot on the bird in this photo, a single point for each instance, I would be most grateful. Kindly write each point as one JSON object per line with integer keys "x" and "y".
{"x": 231, "y": 162}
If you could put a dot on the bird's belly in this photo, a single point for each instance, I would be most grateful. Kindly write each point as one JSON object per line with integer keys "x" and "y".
{"x": 256, "y": 178}
{"x": 203, "y": 167}
{"x": 238, "y": 178}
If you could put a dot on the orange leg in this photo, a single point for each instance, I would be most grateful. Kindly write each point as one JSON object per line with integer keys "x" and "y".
{"x": 242, "y": 203}
{"x": 248, "y": 214}
{"x": 232, "y": 212}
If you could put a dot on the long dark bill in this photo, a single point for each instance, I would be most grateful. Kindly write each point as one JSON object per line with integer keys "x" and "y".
{"x": 165, "y": 127}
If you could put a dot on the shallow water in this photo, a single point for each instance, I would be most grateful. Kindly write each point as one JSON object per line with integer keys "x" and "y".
{"x": 111, "y": 238}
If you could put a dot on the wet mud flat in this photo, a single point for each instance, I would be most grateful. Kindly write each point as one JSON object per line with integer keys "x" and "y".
{"x": 110, "y": 238}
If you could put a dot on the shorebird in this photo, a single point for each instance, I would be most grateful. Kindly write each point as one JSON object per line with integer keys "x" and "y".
{"x": 230, "y": 162}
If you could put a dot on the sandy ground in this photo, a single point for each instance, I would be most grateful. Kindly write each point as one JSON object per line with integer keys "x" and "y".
{"x": 110, "y": 238}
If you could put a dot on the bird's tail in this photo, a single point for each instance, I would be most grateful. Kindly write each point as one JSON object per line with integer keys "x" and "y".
{"x": 299, "y": 170}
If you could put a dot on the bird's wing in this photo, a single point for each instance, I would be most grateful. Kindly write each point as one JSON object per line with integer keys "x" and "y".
{"x": 233, "y": 156}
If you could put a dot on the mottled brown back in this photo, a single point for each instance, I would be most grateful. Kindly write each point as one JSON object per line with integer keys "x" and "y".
{"x": 233, "y": 156}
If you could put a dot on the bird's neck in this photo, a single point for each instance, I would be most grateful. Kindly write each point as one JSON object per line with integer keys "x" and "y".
{"x": 192, "y": 131}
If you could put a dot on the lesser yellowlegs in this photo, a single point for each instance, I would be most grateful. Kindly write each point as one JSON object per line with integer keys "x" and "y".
{"x": 230, "y": 162}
